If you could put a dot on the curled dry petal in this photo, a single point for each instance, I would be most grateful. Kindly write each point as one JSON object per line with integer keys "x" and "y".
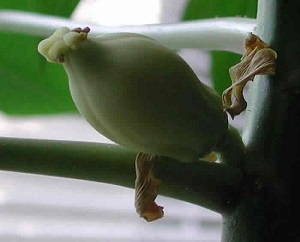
{"x": 146, "y": 188}
{"x": 258, "y": 59}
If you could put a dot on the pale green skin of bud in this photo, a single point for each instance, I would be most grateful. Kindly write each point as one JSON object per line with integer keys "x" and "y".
{"x": 144, "y": 96}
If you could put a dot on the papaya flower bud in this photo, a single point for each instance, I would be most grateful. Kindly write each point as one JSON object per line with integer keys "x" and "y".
{"x": 143, "y": 96}
{"x": 138, "y": 93}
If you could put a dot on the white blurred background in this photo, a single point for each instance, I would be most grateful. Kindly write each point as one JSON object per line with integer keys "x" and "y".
{"x": 40, "y": 208}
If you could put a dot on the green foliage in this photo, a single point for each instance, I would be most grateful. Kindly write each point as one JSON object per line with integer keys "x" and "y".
{"x": 220, "y": 61}
{"x": 28, "y": 85}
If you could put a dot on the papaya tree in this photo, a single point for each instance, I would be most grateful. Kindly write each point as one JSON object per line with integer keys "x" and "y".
{"x": 253, "y": 184}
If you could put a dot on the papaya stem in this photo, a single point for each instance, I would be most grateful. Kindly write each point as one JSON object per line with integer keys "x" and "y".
{"x": 207, "y": 184}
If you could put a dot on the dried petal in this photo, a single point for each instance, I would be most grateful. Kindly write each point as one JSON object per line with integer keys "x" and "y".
{"x": 257, "y": 60}
{"x": 146, "y": 188}
{"x": 251, "y": 42}
{"x": 211, "y": 157}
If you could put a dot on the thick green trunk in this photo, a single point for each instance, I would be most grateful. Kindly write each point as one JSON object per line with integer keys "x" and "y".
{"x": 269, "y": 202}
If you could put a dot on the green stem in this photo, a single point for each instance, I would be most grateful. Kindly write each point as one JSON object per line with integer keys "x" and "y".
{"x": 208, "y": 184}
{"x": 212, "y": 34}
{"x": 211, "y": 185}
{"x": 81, "y": 160}
{"x": 232, "y": 150}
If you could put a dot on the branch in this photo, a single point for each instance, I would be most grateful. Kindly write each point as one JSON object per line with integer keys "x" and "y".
{"x": 210, "y": 185}
{"x": 213, "y": 34}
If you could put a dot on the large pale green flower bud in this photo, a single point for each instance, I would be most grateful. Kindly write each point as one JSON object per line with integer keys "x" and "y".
{"x": 138, "y": 93}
